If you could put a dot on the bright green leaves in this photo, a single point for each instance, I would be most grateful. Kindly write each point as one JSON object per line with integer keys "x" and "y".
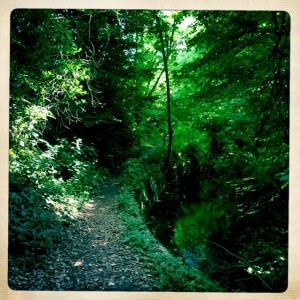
{"x": 56, "y": 81}
{"x": 47, "y": 190}
{"x": 229, "y": 79}
{"x": 49, "y": 181}
{"x": 88, "y": 88}
{"x": 185, "y": 134}
{"x": 199, "y": 222}
{"x": 64, "y": 90}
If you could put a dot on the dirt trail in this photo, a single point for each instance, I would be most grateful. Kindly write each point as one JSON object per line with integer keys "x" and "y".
{"x": 93, "y": 255}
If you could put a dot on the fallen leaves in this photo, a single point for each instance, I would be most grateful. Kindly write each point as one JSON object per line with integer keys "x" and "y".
{"x": 78, "y": 263}
{"x": 90, "y": 257}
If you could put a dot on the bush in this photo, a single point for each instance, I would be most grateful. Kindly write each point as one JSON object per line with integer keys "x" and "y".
{"x": 41, "y": 199}
{"x": 34, "y": 225}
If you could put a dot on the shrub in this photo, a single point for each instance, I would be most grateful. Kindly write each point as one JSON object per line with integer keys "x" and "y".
{"x": 41, "y": 199}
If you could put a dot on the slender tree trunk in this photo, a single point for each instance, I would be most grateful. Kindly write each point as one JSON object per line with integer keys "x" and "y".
{"x": 156, "y": 83}
{"x": 170, "y": 131}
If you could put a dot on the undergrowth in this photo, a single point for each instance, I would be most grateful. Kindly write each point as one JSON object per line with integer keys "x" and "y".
{"x": 171, "y": 272}
{"x": 58, "y": 182}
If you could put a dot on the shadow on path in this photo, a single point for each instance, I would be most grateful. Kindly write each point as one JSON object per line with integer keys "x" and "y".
{"x": 93, "y": 255}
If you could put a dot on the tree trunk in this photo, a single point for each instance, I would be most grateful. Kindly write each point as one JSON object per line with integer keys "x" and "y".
{"x": 170, "y": 131}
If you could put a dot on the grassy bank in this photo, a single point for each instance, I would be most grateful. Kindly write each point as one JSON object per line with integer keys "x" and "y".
{"x": 171, "y": 272}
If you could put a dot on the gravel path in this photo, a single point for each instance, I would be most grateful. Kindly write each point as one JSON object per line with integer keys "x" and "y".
{"x": 93, "y": 256}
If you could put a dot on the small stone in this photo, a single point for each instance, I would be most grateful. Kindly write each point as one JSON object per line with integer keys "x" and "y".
{"x": 111, "y": 284}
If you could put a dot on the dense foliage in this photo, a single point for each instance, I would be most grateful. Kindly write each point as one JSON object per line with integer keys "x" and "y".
{"x": 192, "y": 107}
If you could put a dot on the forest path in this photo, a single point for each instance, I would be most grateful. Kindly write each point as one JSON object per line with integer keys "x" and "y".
{"x": 93, "y": 255}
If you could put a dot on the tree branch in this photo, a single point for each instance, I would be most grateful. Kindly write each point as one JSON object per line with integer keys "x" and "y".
{"x": 242, "y": 259}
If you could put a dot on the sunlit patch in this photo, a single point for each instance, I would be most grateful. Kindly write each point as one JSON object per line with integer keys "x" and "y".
{"x": 90, "y": 205}
{"x": 78, "y": 263}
